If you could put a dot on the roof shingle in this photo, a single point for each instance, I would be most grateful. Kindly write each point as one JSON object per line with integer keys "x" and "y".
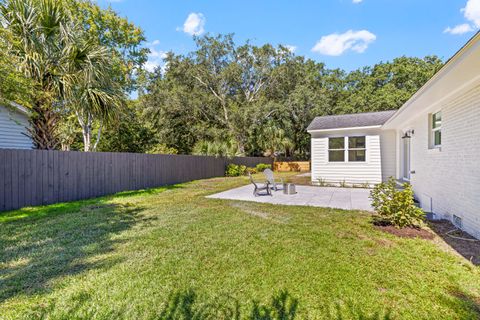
{"x": 350, "y": 120}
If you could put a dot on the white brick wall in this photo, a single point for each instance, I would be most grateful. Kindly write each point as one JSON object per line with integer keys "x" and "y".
{"x": 450, "y": 176}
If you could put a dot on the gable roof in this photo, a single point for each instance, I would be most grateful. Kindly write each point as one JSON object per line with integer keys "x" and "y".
{"x": 355, "y": 120}
{"x": 13, "y": 106}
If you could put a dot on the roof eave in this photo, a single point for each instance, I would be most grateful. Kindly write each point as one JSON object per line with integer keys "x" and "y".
{"x": 344, "y": 129}
{"x": 437, "y": 76}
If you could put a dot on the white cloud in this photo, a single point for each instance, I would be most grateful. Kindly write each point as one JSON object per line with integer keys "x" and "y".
{"x": 291, "y": 48}
{"x": 195, "y": 24}
{"x": 155, "y": 57}
{"x": 357, "y": 1}
{"x": 459, "y": 29}
{"x": 472, "y": 12}
{"x": 336, "y": 44}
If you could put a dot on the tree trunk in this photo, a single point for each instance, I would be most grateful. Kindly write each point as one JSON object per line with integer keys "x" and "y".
{"x": 87, "y": 124}
{"x": 99, "y": 134}
{"x": 43, "y": 126}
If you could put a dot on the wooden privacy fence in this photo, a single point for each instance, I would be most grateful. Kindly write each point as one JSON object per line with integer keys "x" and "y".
{"x": 38, "y": 177}
{"x": 286, "y": 166}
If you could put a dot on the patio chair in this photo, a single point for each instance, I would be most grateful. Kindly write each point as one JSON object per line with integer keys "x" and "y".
{"x": 256, "y": 191}
{"x": 271, "y": 179}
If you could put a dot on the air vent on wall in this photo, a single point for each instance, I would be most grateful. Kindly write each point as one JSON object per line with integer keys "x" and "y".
{"x": 457, "y": 221}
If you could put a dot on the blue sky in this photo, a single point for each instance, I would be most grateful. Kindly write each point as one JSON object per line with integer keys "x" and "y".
{"x": 346, "y": 34}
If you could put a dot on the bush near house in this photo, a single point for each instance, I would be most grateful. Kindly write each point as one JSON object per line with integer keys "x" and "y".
{"x": 396, "y": 207}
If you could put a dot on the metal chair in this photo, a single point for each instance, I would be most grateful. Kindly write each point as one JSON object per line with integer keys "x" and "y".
{"x": 257, "y": 189}
{"x": 271, "y": 179}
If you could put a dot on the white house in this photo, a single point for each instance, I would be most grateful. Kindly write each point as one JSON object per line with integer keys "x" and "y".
{"x": 432, "y": 141}
{"x": 13, "y": 128}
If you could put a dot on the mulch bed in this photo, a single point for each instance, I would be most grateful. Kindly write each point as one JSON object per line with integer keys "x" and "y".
{"x": 458, "y": 240}
{"x": 469, "y": 249}
{"x": 407, "y": 232}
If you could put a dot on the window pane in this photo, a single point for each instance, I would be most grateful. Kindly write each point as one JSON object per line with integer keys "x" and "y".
{"x": 436, "y": 120}
{"x": 336, "y": 143}
{"x": 356, "y": 155}
{"x": 437, "y": 137}
{"x": 356, "y": 142}
{"x": 336, "y": 156}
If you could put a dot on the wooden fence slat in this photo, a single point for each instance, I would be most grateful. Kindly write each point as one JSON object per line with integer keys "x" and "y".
{"x": 3, "y": 164}
{"x": 15, "y": 178}
{"x": 34, "y": 177}
{"x": 39, "y": 175}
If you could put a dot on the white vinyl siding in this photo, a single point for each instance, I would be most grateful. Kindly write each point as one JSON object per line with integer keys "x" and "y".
{"x": 13, "y": 130}
{"x": 388, "y": 151}
{"x": 369, "y": 171}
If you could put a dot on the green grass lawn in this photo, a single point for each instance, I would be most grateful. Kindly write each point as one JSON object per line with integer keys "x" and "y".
{"x": 170, "y": 253}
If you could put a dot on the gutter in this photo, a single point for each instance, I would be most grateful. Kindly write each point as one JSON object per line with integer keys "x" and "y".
{"x": 342, "y": 129}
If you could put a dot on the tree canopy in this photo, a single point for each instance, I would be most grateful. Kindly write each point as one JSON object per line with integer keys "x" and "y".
{"x": 259, "y": 100}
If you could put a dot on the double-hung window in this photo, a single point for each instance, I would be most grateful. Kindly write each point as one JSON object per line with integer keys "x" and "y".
{"x": 336, "y": 149}
{"x": 436, "y": 130}
{"x": 347, "y": 149}
{"x": 356, "y": 149}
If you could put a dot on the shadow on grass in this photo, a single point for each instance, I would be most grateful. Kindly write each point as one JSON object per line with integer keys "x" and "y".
{"x": 282, "y": 306}
{"x": 57, "y": 241}
{"x": 469, "y": 249}
{"x": 457, "y": 299}
{"x": 50, "y": 210}
{"x": 186, "y": 305}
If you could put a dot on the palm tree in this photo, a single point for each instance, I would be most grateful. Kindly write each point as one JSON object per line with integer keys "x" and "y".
{"x": 273, "y": 140}
{"x": 72, "y": 73}
{"x": 39, "y": 32}
{"x": 90, "y": 88}
{"x": 218, "y": 148}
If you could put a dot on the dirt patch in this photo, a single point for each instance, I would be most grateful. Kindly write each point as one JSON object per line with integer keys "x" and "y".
{"x": 408, "y": 232}
{"x": 458, "y": 240}
{"x": 260, "y": 214}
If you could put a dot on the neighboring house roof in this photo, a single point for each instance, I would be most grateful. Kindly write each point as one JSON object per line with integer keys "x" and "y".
{"x": 356, "y": 120}
{"x": 13, "y": 128}
{"x": 18, "y": 107}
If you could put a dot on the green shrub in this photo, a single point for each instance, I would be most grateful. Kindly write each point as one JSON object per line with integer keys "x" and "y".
{"x": 235, "y": 170}
{"x": 162, "y": 149}
{"x": 322, "y": 182}
{"x": 262, "y": 166}
{"x": 396, "y": 207}
{"x": 251, "y": 170}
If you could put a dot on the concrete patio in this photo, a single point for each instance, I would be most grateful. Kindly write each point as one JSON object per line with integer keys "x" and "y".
{"x": 329, "y": 197}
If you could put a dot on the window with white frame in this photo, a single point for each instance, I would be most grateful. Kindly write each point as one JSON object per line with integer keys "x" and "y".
{"x": 436, "y": 129}
{"x": 356, "y": 149}
{"x": 347, "y": 149}
{"x": 336, "y": 149}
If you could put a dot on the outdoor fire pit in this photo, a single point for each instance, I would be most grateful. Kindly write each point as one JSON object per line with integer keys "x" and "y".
{"x": 289, "y": 188}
